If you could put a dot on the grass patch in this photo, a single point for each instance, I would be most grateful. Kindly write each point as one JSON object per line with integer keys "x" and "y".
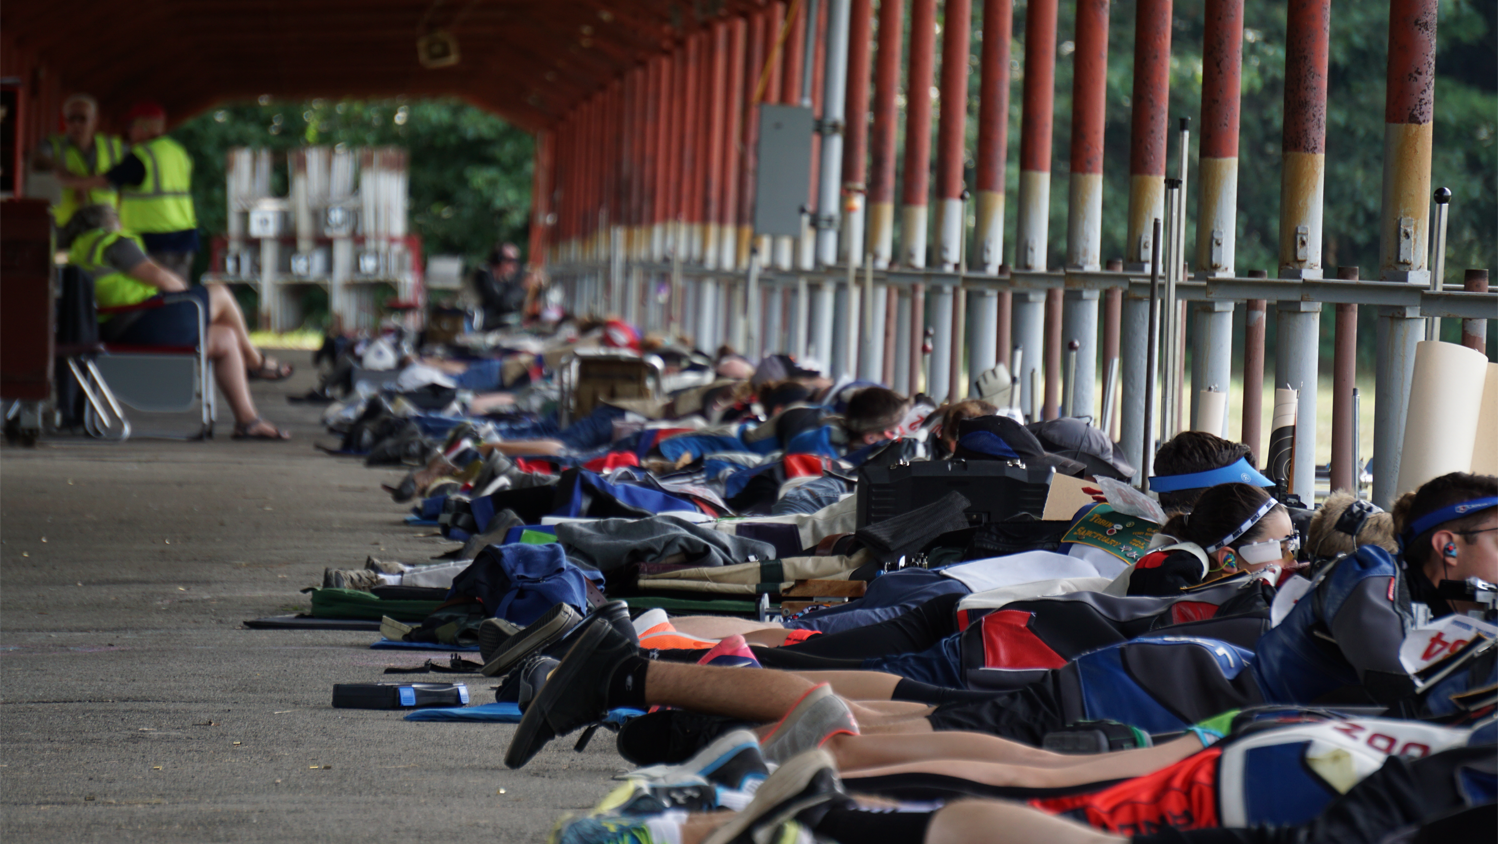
{"x": 303, "y": 340}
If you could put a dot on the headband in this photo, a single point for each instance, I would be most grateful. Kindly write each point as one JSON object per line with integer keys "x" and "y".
{"x": 1445, "y": 514}
{"x": 1244, "y": 527}
{"x": 1240, "y": 471}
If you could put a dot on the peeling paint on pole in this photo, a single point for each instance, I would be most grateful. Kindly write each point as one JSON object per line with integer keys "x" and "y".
{"x": 1407, "y": 185}
{"x": 1148, "y": 126}
{"x": 1304, "y": 125}
{"x": 1219, "y": 143}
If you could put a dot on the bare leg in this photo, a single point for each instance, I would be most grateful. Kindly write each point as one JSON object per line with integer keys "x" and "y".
{"x": 857, "y": 685}
{"x": 525, "y": 448}
{"x": 229, "y": 372}
{"x": 995, "y": 821}
{"x": 720, "y": 627}
{"x": 224, "y": 311}
{"x": 760, "y": 696}
{"x": 1009, "y": 764}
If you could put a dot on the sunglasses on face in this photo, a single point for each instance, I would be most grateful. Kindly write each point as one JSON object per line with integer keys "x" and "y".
{"x": 1271, "y": 550}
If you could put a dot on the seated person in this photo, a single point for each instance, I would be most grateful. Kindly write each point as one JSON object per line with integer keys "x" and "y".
{"x": 123, "y": 275}
{"x": 945, "y": 435}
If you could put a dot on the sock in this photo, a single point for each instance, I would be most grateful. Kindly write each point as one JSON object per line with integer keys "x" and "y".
{"x": 627, "y": 686}
{"x": 919, "y": 692}
{"x": 849, "y": 824}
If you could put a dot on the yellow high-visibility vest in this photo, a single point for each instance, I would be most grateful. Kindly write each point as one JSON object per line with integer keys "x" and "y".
{"x": 163, "y": 201}
{"x": 108, "y": 151}
{"x": 112, "y": 288}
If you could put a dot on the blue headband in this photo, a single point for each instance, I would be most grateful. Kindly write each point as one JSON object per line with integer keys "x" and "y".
{"x": 986, "y": 442}
{"x": 1239, "y": 471}
{"x": 1445, "y": 514}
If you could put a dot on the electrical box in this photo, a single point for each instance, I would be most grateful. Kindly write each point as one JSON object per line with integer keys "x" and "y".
{"x": 783, "y": 170}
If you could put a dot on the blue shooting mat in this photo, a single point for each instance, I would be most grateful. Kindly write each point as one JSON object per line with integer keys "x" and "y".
{"x": 496, "y": 713}
{"x": 418, "y": 521}
{"x": 396, "y": 645}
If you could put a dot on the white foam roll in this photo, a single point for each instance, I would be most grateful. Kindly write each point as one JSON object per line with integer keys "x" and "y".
{"x": 1442, "y": 417}
{"x": 1285, "y": 412}
{"x": 1486, "y": 460}
{"x": 1211, "y": 407}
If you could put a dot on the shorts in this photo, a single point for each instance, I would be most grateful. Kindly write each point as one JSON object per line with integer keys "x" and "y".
{"x": 176, "y": 324}
{"x": 1025, "y": 715}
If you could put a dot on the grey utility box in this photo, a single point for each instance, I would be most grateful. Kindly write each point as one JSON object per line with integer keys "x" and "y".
{"x": 784, "y": 169}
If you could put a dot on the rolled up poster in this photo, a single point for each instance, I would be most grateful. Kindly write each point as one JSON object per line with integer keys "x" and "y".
{"x": 1212, "y": 405}
{"x": 1442, "y": 416}
{"x": 1486, "y": 459}
{"x": 1283, "y": 447}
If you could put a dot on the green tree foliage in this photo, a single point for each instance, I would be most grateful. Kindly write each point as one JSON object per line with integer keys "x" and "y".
{"x": 470, "y": 171}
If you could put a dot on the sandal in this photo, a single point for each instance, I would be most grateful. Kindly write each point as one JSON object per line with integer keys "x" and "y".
{"x": 252, "y": 430}
{"x": 270, "y": 370}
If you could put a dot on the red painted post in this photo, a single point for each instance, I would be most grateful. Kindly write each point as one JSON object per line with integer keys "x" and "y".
{"x": 717, "y": 73}
{"x": 914, "y": 170}
{"x": 676, "y": 141}
{"x": 791, "y": 56}
{"x": 994, "y": 120}
{"x": 856, "y": 133}
{"x": 1476, "y": 331}
{"x": 952, "y": 117}
{"x": 651, "y": 120}
{"x": 918, "y": 144}
{"x": 1219, "y": 141}
{"x": 1148, "y": 126}
{"x": 1342, "y": 468}
{"x": 1303, "y": 126}
{"x": 759, "y": 63}
{"x": 1086, "y": 159}
{"x": 1255, "y": 372}
{"x": 1407, "y": 186}
{"x": 882, "y": 186}
{"x": 690, "y": 195}
{"x": 1036, "y": 137}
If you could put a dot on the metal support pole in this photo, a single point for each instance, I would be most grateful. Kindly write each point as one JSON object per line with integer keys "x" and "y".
{"x": 1252, "y": 416}
{"x": 1028, "y": 310}
{"x": 900, "y": 357}
{"x": 856, "y": 136}
{"x": 918, "y": 144}
{"x": 1052, "y": 341}
{"x": 941, "y": 321}
{"x": 1080, "y": 325}
{"x": 1476, "y": 331}
{"x": 1112, "y": 301}
{"x": 1343, "y": 472}
{"x": 882, "y": 193}
{"x": 1213, "y": 338}
{"x": 953, "y": 105}
{"x": 955, "y": 383}
{"x": 831, "y": 129}
{"x": 1440, "y": 197}
{"x": 1148, "y": 168}
{"x": 989, "y": 174}
{"x": 918, "y": 339}
{"x": 889, "y": 370}
{"x": 1407, "y": 184}
{"x": 1218, "y": 150}
{"x": 1147, "y": 448}
{"x": 982, "y": 341}
{"x": 1086, "y": 162}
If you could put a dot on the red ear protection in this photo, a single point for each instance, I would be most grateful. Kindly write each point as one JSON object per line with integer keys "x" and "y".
{"x": 1450, "y": 550}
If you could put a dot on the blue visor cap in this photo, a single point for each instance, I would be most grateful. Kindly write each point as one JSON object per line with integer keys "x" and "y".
{"x": 1238, "y": 472}
{"x": 1445, "y": 514}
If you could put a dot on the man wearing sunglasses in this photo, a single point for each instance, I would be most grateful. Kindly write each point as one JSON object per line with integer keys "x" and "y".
{"x": 80, "y": 150}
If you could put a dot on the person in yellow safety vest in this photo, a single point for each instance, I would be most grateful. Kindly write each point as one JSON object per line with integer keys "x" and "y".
{"x": 80, "y": 150}
{"x": 155, "y": 181}
{"x": 124, "y": 275}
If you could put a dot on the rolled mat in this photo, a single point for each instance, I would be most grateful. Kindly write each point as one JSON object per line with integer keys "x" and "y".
{"x": 497, "y": 713}
{"x": 397, "y": 645}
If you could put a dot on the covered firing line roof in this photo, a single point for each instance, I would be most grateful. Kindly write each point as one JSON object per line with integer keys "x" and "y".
{"x": 530, "y": 61}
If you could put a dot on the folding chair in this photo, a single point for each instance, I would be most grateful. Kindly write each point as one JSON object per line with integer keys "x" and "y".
{"x": 146, "y": 378}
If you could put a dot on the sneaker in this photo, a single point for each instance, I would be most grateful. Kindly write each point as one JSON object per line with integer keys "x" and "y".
{"x": 806, "y": 782}
{"x": 731, "y": 652}
{"x": 732, "y": 760}
{"x": 576, "y": 693}
{"x": 818, "y": 716}
{"x": 651, "y": 621}
{"x": 532, "y": 675}
{"x": 394, "y": 630}
{"x": 552, "y": 625}
{"x": 493, "y": 633}
{"x": 362, "y": 580}
{"x": 616, "y": 830}
{"x": 669, "y": 639}
{"x": 671, "y": 736}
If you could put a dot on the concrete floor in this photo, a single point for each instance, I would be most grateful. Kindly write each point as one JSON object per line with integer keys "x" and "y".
{"x": 134, "y": 706}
